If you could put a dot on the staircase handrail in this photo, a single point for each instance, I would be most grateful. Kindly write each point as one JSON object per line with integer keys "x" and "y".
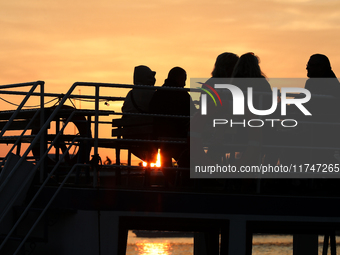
{"x": 28, "y": 95}
{"x": 76, "y": 139}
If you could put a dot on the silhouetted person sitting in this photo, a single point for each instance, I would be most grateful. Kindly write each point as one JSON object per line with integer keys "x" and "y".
{"x": 172, "y": 102}
{"x": 137, "y": 101}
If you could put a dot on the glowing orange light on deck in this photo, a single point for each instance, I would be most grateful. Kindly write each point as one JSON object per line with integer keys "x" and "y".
{"x": 158, "y": 161}
{"x": 146, "y": 248}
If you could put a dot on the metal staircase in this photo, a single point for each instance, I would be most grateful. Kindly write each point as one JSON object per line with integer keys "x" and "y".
{"x": 18, "y": 170}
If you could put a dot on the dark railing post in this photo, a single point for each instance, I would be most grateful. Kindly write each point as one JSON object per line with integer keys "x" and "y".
{"x": 43, "y": 139}
{"x": 96, "y": 133}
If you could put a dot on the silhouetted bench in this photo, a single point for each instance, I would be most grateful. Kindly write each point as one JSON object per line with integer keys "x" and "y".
{"x": 137, "y": 133}
{"x": 134, "y": 131}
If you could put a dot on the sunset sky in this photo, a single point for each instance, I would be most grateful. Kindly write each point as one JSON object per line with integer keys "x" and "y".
{"x": 64, "y": 41}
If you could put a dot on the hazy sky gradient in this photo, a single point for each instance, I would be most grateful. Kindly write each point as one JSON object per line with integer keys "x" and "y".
{"x": 65, "y": 41}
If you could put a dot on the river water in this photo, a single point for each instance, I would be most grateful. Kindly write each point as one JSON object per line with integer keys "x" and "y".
{"x": 262, "y": 244}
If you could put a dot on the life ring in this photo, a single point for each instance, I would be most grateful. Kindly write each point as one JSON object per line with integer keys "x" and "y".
{"x": 82, "y": 155}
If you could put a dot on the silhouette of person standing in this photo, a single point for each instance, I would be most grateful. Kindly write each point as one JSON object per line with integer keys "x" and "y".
{"x": 247, "y": 73}
{"x": 224, "y": 65}
{"x": 322, "y": 81}
{"x": 248, "y": 67}
{"x": 318, "y": 69}
{"x": 222, "y": 72}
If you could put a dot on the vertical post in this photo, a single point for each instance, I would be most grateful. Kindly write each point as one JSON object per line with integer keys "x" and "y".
{"x": 325, "y": 244}
{"x": 239, "y": 242}
{"x": 128, "y": 170}
{"x": 43, "y": 138}
{"x": 258, "y": 182}
{"x": 305, "y": 244}
{"x": 88, "y": 147}
{"x": 311, "y": 154}
{"x": 114, "y": 234}
{"x": 224, "y": 238}
{"x": 96, "y": 132}
{"x": 333, "y": 243}
{"x": 212, "y": 240}
{"x": 200, "y": 247}
{"x": 57, "y": 146}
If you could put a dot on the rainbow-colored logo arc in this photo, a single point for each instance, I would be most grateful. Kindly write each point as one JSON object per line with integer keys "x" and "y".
{"x": 209, "y": 93}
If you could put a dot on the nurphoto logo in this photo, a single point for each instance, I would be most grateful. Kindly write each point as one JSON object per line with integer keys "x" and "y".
{"x": 264, "y": 128}
{"x": 238, "y": 103}
{"x": 238, "y": 100}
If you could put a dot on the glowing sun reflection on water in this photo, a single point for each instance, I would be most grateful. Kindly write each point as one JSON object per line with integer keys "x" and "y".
{"x": 154, "y": 248}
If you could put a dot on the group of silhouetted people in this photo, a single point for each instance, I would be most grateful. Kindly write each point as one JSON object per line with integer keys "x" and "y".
{"x": 233, "y": 68}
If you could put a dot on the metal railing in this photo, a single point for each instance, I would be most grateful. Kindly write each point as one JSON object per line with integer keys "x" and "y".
{"x": 96, "y": 122}
{"x": 39, "y": 164}
{"x": 33, "y": 85}
{"x": 43, "y": 143}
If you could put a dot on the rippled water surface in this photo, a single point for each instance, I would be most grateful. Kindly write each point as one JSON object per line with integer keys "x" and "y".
{"x": 262, "y": 244}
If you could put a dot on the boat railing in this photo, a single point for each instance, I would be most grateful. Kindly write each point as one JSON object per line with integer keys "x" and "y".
{"x": 96, "y": 140}
{"x": 13, "y": 115}
{"x": 32, "y": 173}
{"x": 47, "y": 147}
{"x": 96, "y": 113}
{"x": 33, "y": 86}
{"x": 41, "y": 134}
{"x": 39, "y": 164}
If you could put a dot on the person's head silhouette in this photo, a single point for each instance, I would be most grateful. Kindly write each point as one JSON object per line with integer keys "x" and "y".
{"x": 319, "y": 66}
{"x": 177, "y": 77}
{"x": 224, "y": 65}
{"x": 248, "y": 66}
{"x": 143, "y": 75}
